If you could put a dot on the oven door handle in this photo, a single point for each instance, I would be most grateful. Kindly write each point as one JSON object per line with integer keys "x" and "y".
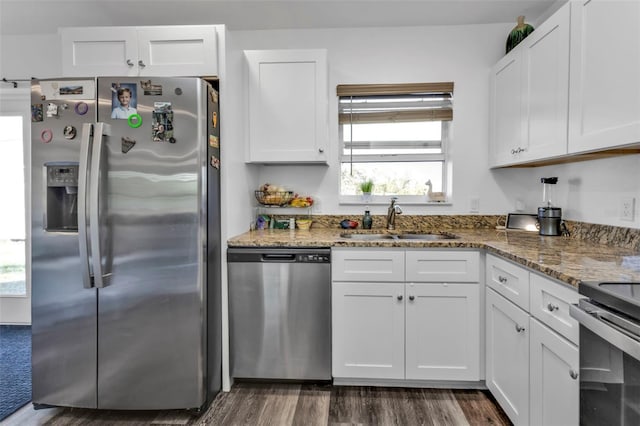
{"x": 606, "y": 331}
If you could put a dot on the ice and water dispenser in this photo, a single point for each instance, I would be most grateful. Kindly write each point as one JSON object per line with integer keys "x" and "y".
{"x": 61, "y": 197}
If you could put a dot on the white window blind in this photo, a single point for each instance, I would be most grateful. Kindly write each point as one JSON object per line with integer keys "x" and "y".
{"x": 395, "y": 134}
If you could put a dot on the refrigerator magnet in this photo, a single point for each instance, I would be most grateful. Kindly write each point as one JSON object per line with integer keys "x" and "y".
{"x": 134, "y": 121}
{"x": 214, "y": 142}
{"x": 215, "y": 162}
{"x": 150, "y": 89}
{"x": 127, "y": 144}
{"x": 124, "y": 100}
{"x": 46, "y": 136}
{"x": 81, "y": 108}
{"x": 69, "y": 132}
{"x": 36, "y": 113}
{"x": 162, "y": 124}
{"x": 214, "y": 119}
{"x": 52, "y": 110}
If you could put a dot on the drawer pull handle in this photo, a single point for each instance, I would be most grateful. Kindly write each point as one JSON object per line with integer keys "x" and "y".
{"x": 399, "y": 297}
{"x": 519, "y": 329}
{"x": 551, "y": 307}
{"x": 502, "y": 279}
{"x": 573, "y": 374}
{"x": 412, "y": 297}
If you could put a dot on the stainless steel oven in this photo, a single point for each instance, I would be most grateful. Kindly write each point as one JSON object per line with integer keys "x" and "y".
{"x": 609, "y": 353}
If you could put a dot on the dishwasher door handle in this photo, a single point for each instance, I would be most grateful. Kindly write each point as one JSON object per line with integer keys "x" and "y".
{"x": 285, "y": 257}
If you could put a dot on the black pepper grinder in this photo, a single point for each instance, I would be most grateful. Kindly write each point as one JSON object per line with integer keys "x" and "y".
{"x": 367, "y": 220}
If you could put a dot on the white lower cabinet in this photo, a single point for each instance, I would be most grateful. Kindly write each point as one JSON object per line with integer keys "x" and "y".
{"x": 404, "y": 330}
{"x": 508, "y": 356}
{"x": 368, "y": 330}
{"x": 531, "y": 346}
{"x": 442, "y": 333}
{"x": 554, "y": 387}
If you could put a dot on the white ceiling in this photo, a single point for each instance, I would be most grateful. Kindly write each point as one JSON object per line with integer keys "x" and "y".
{"x": 45, "y": 16}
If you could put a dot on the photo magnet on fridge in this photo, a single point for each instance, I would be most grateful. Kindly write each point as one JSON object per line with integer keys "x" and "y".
{"x": 162, "y": 125}
{"x": 36, "y": 113}
{"x": 151, "y": 89}
{"x": 124, "y": 100}
{"x": 127, "y": 144}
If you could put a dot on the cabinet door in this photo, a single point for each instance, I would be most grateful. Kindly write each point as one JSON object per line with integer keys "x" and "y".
{"x": 605, "y": 65}
{"x": 437, "y": 352}
{"x": 100, "y": 51}
{"x": 555, "y": 388}
{"x": 178, "y": 51}
{"x": 506, "y": 136}
{"x": 546, "y": 88}
{"x": 368, "y": 330}
{"x": 288, "y": 101}
{"x": 507, "y": 349}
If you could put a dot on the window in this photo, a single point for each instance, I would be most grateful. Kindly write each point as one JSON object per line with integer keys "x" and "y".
{"x": 395, "y": 135}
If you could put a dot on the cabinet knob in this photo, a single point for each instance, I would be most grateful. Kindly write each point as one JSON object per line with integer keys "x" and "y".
{"x": 129, "y": 62}
{"x": 519, "y": 329}
{"x": 399, "y": 297}
{"x": 141, "y": 64}
{"x": 573, "y": 374}
{"x": 320, "y": 150}
{"x": 412, "y": 297}
{"x": 551, "y": 307}
{"x": 502, "y": 279}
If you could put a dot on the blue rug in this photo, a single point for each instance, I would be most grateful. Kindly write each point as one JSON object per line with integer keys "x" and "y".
{"x": 15, "y": 368}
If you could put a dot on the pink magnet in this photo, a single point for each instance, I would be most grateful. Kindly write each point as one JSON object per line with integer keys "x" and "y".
{"x": 46, "y": 136}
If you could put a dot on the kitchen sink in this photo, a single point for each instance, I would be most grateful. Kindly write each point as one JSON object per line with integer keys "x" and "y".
{"x": 408, "y": 236}
{"x": 428, "y": 237}
{"x": 366, "y": 237}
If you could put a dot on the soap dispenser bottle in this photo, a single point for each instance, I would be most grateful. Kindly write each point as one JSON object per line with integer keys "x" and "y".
{"x": 367, "y": 220}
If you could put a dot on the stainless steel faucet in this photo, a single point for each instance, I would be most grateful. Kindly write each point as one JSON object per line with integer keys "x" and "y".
{"x": 394, "y": 210}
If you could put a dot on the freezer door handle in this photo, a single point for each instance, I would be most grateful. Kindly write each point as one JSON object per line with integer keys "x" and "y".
{"x": 94, "y": 203}
{"x": 83, "y": 174}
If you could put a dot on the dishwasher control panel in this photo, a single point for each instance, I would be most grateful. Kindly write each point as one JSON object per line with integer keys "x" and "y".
{"x": 313, "y": 258}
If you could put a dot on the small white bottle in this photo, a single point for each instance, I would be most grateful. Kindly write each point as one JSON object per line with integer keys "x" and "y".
{"x": 292, "y": 223}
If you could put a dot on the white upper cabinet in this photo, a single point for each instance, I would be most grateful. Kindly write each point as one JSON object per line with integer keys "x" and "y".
{"x": 529, "y": 96}
{"x": 165, "y": 51}
{"x": 288, "y": 106}
{"x": 605, "y": 70}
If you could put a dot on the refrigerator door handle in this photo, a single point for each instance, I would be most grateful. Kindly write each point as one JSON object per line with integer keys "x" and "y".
{"x": 94, "y": 204}
{"x": 83, "y": 174}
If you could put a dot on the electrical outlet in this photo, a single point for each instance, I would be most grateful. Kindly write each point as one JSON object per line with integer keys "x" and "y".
{"x": 627, "y": 208}
{"x": 474, "y": 205}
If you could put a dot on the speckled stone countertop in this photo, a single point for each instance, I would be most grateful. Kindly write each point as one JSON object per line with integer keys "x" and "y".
{"x": 569, "y": 260}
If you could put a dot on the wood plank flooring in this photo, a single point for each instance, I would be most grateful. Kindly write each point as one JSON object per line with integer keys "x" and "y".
{"x": 281, "y": 404}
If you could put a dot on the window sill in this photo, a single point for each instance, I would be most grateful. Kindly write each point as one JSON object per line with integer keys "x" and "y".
{"x": 408, "y": 200}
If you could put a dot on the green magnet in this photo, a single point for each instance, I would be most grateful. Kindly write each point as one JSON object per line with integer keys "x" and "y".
{"x": 134, "y": 121}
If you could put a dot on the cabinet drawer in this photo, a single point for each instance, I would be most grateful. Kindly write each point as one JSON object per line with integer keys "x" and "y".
{"x": 509, "y": 280}
{"x": 550, "y": 303}
{"x": 443, "y": 266}
{"x": 367, "y": 265}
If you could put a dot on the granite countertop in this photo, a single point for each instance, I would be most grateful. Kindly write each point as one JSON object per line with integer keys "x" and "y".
{"x": 569, "y": 260}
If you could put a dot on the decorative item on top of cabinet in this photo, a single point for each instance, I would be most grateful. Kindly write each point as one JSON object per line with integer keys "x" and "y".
{"x": 518, "y": 33}
{"x": 288, "y": 106}
{"x": 187, "y": 50}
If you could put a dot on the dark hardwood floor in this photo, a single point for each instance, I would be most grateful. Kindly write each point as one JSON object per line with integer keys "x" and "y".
{"x": 304, "y": 404}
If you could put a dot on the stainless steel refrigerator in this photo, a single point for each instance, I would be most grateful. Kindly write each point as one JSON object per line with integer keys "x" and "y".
{"x": 125, "y": 243}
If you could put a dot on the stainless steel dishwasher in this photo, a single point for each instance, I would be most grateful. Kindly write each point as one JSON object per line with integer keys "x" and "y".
{"x": 280, "y": 313}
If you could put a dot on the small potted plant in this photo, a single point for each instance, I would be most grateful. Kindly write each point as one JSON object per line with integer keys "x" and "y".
{"x": 366, "y": 187}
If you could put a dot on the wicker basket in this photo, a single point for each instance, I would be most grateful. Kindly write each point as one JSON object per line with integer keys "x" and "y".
{"x": 274, "y": 198}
